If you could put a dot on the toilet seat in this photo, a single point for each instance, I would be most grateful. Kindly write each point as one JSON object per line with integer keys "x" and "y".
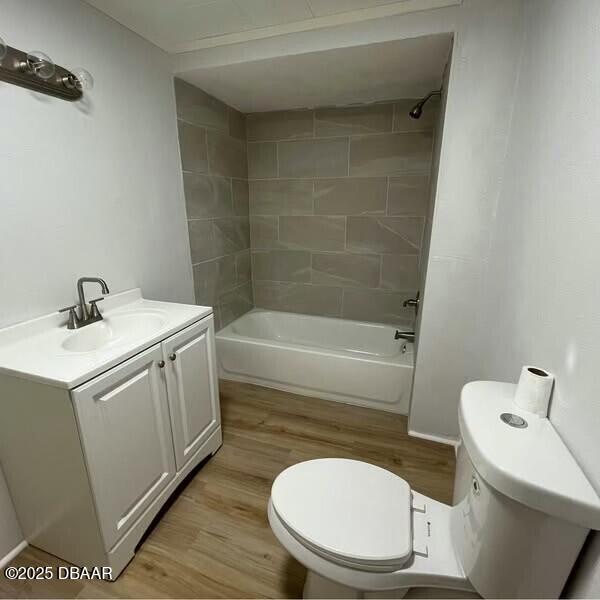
{"x": 440, "y": 568}
{"x": 349, "y": 512}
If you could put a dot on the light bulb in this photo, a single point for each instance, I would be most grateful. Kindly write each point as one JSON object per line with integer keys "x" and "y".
{"x": 84, "y": 78}
{"x": 40, "y": 64}
{"x": 3, "y": 49}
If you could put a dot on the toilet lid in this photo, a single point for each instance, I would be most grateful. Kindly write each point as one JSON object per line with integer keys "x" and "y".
{"x": 351, "y": 511}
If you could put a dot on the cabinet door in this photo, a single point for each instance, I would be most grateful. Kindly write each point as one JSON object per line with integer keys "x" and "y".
{"x": 193, "y": 387}
{"x": 123, "y": 419}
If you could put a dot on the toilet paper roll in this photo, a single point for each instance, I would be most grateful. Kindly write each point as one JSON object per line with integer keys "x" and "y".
{"x": 534, "y": 390}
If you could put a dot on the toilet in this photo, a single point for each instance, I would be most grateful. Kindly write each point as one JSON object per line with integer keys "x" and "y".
{"x": 521, "y": 512}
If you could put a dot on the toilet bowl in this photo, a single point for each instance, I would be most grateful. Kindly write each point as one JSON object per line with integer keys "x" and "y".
{"x": 522, "y": 510}
{"x": 357, "y": 527}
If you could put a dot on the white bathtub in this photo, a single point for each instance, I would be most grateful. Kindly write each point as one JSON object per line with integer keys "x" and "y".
{"x": 346, "y": 361}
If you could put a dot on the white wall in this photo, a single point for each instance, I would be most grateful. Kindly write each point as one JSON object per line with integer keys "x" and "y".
{"x": 543, "y": 284}
{"x": 88, "y": 188}
{"x": 480, "y": 96}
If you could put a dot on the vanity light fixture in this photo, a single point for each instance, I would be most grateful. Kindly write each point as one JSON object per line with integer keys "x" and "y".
{"x": 78, "y": 79}
{"x": 39, "y": 64}
{"x": 36, "y": 71}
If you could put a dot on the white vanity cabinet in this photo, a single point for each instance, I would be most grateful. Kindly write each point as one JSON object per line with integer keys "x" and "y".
{"x": 90, "y": 467}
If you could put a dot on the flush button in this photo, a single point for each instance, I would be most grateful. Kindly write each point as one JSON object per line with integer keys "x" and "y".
{"x": 514, "y": 420}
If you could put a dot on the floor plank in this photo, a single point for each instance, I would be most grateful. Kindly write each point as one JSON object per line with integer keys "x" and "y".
{"x": 215, "y": 540}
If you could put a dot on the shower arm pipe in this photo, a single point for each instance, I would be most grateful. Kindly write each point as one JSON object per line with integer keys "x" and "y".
{"x": 431, "y": 94}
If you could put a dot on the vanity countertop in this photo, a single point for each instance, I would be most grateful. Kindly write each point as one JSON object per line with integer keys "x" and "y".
{"x": 44, "y": 350}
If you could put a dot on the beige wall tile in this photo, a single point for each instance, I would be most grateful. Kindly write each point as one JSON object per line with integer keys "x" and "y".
{"x": 227, "y": 155}
{"x": 391, "y": 154}
{"x": 202, "y": 245}
{"x": 231, "y": 235}
{"x": 214, "y": 161}
{"x": 378, "y": 306}
{"x": 310, "y": 177}
{"x": 313, "y": 158}
{"x": 351, "y": 196}
{"x": 237, "y": 124}
{"x": 262, "y": 160}
{"x": 298, "y": 297}
{"x": 235, "y": 303}
{"x": 264, "y": 232}
{"x": 243, "y": 266}
{"x": 427, "y": 122}
{"x": 281, "y": 265}
{"x": 375, "y": 118}
{"x": 385, "y": 235}
{"x": 400, "y": 272}
{"x": 239, "y": 188}
{"x": 352, "y": 270}
{"x": 205, "y": 283}
{"x": 192, "y": 145}
{"x": 312, "y": 233}
{"x": 280, "y": 125}
{"x": 207, "y": 196}
{"x": 226, "y": 273}
{"x": 281, "y": 197}
{"x": 408, "y": 195}
{"x": 198, "y": 107}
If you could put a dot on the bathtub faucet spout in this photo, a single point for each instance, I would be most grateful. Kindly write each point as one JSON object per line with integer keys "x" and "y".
{"x": 409, "y": 336}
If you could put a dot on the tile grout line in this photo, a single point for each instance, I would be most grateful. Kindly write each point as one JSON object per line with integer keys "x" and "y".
{"x": 335, "y": 137}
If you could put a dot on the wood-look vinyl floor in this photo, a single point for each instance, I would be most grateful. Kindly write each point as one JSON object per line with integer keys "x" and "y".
{"x": 214, "y": 541}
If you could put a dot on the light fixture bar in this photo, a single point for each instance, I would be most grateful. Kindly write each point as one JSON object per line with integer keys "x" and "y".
{"x": 16, "y": 68}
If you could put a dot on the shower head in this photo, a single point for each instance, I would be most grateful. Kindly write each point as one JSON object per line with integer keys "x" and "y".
{"x": 417, "y": 110}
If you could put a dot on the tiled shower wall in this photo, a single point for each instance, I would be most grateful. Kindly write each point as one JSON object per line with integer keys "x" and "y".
{"x": 338, "y": 201}
{"x": 212, "y": 139}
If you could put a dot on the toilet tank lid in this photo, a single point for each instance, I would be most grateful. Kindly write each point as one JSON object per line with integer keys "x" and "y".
{"x": 531, "y": 465}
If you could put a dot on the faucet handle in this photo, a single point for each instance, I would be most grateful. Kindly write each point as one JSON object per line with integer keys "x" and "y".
{"x": 94, "y": 312}
{"x": 73, "y": 318}
{"x": 66, "y": 308}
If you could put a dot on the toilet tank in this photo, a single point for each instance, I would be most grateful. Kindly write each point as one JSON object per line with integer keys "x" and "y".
{"x": 508, "y": 550}
{"x": 517, "y": 528}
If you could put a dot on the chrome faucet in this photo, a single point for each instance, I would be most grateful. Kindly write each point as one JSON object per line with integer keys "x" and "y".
{"x": 86, "y": 315}
{"x": 409, "y": 336}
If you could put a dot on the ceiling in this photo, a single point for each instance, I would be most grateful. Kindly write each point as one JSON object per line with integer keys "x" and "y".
{"x": 289, "y": 78}
{"x": 186, "y": 25}
{"x": 407, "y": 68}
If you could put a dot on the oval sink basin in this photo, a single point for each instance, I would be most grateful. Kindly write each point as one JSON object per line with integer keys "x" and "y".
{"x": 114, "y": 330}
{"x": 135, "y": 325}
{"x": 89, "y": 339}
